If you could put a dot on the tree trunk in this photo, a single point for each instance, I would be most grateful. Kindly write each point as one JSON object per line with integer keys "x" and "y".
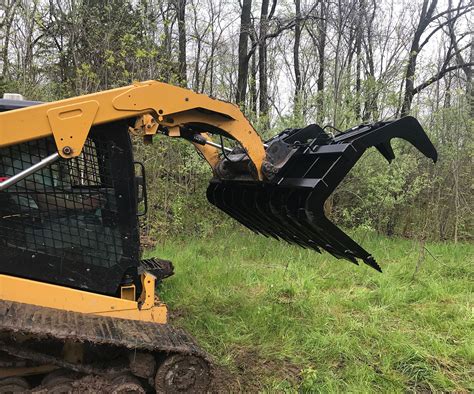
{"x": 370, "y": 104}
{"x": 470, "y": 84}
{"x": 358, "y": 44}
{"x": 181, "y": 12}
{"x": 262, "y": 65}
{"x": 196, "y": 65}
{"x": 166, "y": 42}
{"x": 321, "y": 58}
{"x": 425, "y": 19}
{"x": 253, "y": 83}
{"x": 296, "y": 60}
{"x": 243, "y": 51}
{"x": 9, "y": 15}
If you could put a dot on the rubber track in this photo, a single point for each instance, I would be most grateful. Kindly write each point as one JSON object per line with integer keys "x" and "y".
{"x": 101, "y": 330}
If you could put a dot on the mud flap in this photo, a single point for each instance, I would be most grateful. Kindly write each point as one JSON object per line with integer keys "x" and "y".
{"x": 302, "y": 169}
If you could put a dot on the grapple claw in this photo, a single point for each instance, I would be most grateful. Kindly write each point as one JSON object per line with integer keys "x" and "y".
{"x": 302, "y": 168}
{"x": 386, "y": 151}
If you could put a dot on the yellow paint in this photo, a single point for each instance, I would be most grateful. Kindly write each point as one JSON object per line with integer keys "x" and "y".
{"x": 128, "y": 292}
{"x": 145, "y": 125}
{"x": 53, "y": 296}
{"x": 169, "y": 105}
{"x": 71, "y": 125}
{"x": 210, "y": 153}
{"x": 147, "y": 298}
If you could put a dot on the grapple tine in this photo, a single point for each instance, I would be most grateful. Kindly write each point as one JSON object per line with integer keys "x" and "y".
{"x": 215, "y": 195}
{"x": 302, "y": 169}
{"x": 271, "y": 222}
{"x": 301, "y": 235}
{"x": 261, "y": 205}
{"x": 232, "y": 199}
{"x": 278, "y": 207}
{"x": 248, "y": 203}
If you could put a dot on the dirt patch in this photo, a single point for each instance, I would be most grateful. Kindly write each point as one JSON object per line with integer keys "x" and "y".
{"x": 177, "y": 314}
{"x": 251, "y": 369}
{"x": 224, "y": 381}
{"x": 92, "y": 384}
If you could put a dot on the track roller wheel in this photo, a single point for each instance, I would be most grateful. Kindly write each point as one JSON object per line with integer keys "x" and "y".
{"x": 142, "y": 365}
{"x": 126, "y": 384}
{"x": 182, "y": 373}
{"x": 13, "y": 385}
{"x": 59, "y": 381}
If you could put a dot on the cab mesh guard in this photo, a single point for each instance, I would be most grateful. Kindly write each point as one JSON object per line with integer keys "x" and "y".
{"x": 302, "y": 169}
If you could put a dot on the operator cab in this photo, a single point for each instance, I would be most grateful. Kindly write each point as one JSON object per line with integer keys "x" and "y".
{"x": 74, "y": 222}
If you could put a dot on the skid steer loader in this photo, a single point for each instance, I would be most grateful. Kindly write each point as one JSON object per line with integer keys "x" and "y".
{"x": 76, "y": 300}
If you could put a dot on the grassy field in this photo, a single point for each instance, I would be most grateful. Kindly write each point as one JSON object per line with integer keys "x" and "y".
{"x": 281, "y": 318}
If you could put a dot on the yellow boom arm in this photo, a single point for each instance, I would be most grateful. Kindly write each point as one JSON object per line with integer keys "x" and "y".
{"x": 70, "y": 120}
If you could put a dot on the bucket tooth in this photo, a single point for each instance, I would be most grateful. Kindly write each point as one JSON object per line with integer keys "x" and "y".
{"x": 302, "y": 169}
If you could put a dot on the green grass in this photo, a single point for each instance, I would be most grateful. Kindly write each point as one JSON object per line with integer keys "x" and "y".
{"x": 282, "y": 318}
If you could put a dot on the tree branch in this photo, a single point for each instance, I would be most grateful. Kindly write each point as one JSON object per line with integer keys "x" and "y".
{"x": 433, "y": 18}
{"x": 440, "y": 75}
{"x": 272, "y": 11}
{"x": 447, "y": 22}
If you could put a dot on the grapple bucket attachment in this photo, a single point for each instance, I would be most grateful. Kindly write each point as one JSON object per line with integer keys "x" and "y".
{"x": 302, "y": 168}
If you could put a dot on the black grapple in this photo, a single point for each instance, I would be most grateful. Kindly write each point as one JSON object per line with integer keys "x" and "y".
{"x": 302, "y": 168}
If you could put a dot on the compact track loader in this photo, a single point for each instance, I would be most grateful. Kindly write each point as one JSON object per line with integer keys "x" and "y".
{"x": 77, "y": 302}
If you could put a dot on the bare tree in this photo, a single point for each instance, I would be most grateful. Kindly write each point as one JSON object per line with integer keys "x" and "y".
{"x": 370, "y": 106}
{"x": 181, "y": 13}
{"x": 320, "y": 43}
{"x": 245, "y": 25}
{"x": 426, "y": 18}
{"x": 8, "y": 10}
{"x": 253, "y": 78}
{"x": 296, "y": 58}
{"x": 262, "y": 60}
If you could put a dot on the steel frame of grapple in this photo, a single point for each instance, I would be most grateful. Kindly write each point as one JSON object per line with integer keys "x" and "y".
{"x": 303, "y": 167}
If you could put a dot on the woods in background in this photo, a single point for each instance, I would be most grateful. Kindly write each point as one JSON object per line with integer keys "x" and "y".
{"x": 287, "y": 63}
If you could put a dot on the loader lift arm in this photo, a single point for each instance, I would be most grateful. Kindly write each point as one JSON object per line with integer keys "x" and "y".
{"x": 169, "y": 108}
